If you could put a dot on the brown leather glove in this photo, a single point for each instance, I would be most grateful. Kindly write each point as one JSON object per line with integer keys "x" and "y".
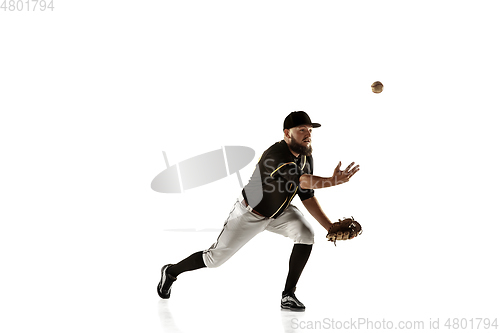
{"x": 345, "y": 229}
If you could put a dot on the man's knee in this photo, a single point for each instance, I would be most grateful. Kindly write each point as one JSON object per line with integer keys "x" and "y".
{"x": 214, "y": 258}
{"x": 305, "y": 235}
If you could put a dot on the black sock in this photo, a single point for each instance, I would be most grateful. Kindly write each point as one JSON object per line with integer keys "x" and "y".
{"x": 298, "y": 260}
{"x": 194, "y": 261}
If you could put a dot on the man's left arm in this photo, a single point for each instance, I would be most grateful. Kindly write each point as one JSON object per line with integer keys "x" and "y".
{"x": 313, "y": 207}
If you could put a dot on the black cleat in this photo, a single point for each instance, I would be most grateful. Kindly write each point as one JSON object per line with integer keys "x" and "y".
{"x": 165, "y": 282}
{"x": 290, "y": 302}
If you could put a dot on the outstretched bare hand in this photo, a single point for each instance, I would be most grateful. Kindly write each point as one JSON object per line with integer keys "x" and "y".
{"x": 343, "y": 176}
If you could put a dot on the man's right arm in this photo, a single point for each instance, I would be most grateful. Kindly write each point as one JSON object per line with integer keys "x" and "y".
{"x": 338, "y": 177}
{"x": 315, "y": 182}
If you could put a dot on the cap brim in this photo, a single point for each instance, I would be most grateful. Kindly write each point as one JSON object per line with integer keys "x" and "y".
{"x": 314, "y": 125}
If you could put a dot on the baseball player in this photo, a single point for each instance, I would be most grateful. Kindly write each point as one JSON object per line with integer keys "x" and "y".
{"x": 284, "y": 170}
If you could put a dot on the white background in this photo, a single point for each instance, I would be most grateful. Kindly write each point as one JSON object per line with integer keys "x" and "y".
{"x": 93, "y": 92}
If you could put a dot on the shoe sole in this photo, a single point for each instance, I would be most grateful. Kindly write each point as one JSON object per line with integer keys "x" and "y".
{"x": 158, "y": 289}
{"x": 292, "y": 309}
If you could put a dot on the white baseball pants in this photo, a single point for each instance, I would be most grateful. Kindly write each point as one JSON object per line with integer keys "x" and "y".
{"x": 242, "y": 225}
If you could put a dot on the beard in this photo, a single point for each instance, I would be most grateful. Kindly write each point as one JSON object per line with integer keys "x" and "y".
{"x": 298, "y": 148}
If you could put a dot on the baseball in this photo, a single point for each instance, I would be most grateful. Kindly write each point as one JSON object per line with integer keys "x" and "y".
{"x": 377, "y": 87}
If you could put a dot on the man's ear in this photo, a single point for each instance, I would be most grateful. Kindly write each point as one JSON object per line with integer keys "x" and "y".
{"x": 287, "y": 133}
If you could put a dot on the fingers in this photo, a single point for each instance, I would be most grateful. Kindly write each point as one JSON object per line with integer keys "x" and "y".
{"x": 348, "y": 172}
{"x": 347, "y": 169}
{"x": 353, "y": 171}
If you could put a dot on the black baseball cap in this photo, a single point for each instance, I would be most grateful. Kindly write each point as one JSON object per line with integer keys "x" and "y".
{"x": 297, "y": 118}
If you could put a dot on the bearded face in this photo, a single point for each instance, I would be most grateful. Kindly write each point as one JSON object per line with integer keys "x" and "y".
{"x": 302, "y": 145}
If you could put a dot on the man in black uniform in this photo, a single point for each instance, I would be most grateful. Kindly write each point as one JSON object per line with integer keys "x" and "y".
{"x": 284, "y": 170}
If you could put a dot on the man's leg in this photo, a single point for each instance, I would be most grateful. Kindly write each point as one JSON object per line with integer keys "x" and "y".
{"x": 293, "y": 224}
{"x": 194, "y": 261}
{"x": 240, "y": 227}
{"x": 298, "y": 259}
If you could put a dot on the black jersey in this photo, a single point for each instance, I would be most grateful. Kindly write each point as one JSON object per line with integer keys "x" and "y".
{"x": 275, "y": 180}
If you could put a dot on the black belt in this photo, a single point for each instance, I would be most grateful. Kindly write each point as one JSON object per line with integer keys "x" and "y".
{"x": 244, "y": 202}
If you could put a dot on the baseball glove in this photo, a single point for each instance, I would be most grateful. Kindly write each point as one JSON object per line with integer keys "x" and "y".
{"x": 345, "y": 229}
